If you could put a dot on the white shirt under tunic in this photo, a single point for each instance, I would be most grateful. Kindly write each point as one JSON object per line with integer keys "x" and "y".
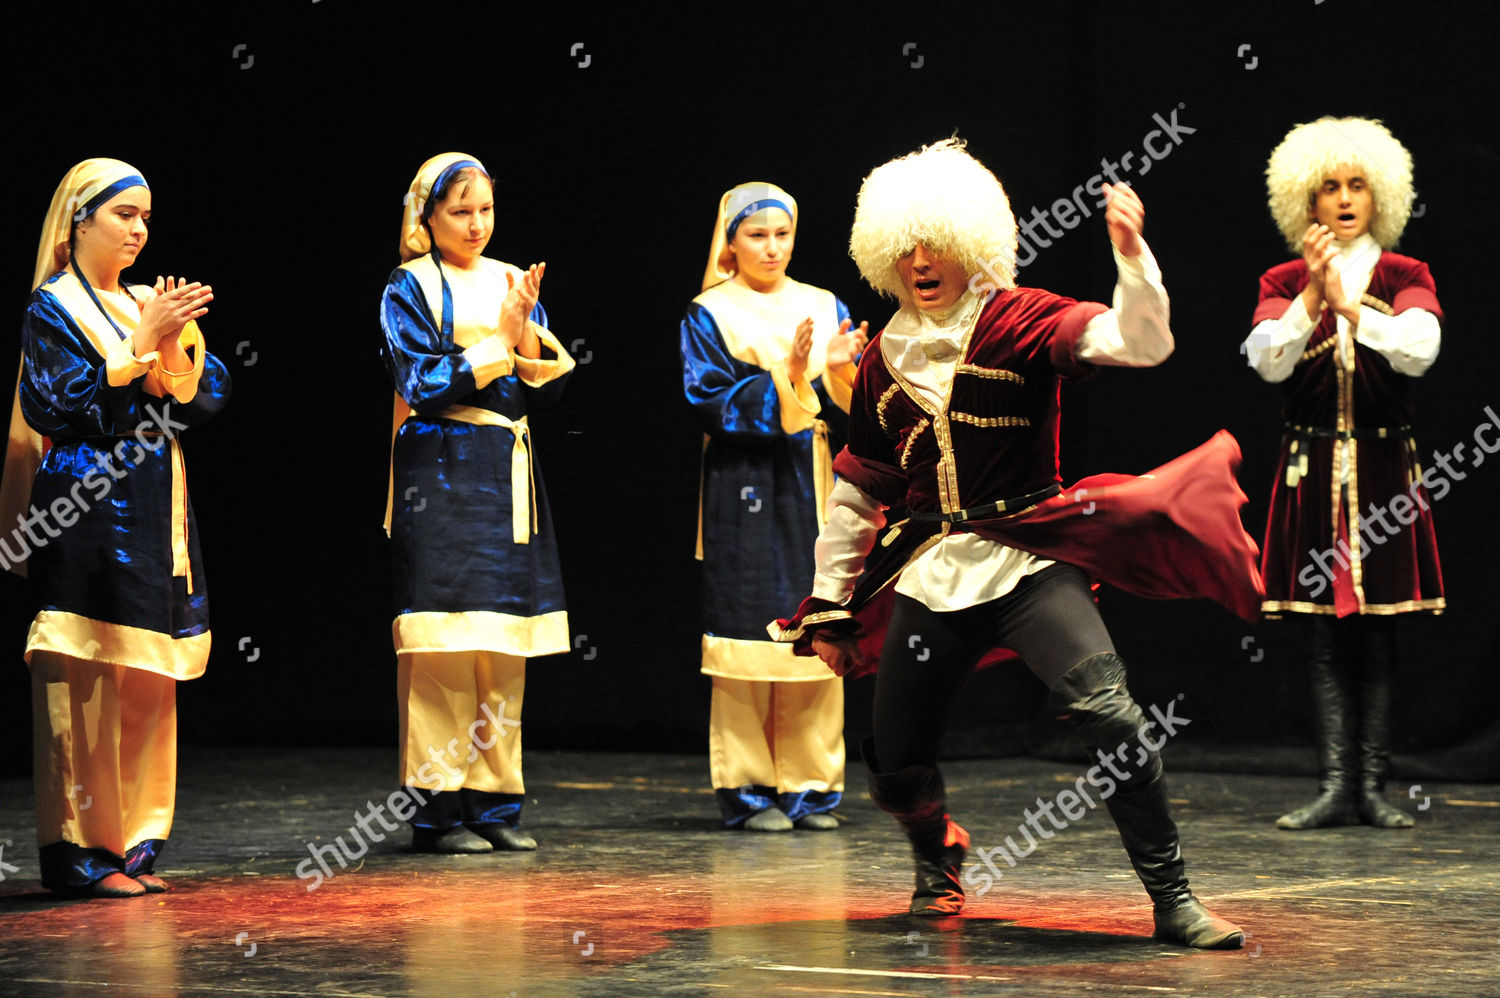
{"x": 964, "y": 569}
{"x": 1409, "y": 341}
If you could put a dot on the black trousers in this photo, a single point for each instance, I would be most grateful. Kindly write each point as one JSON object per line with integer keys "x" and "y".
{"x": 1049, "y": 619}
{"x": 1353, "y": 641}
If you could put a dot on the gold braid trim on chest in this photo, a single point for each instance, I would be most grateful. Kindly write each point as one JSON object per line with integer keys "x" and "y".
{"x": 1312, "y": 352}
{"x": 947, "y": 465}
{"x": 885, "y": 400}
{"x": 990, "y": 421}
{"x": 1365, "y": 299}
{"x": 911, "y": 440}
{"x": 995, "y": 373}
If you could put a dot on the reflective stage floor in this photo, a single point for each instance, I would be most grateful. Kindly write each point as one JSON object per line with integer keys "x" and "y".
{"x": 635, "y": 890}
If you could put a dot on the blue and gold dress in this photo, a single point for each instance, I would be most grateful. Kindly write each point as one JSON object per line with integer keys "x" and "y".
{"x": 478, "y": 584}
{"x": 776, "y": 728}
{"x": 116, "y": 567}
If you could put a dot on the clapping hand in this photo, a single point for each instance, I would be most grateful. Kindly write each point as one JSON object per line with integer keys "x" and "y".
{"x": 176, "y": 303}
{"x": 846, "y": 347}
{"x": 1325, "y": 280}
{"x": 796, "y": 360}
{"x": 520, "y": 299}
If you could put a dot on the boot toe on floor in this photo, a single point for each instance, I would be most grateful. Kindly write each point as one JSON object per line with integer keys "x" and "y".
{"x": 939, "y": 890}
{"x": 505, "y": 838}
{"x": 1324, "y": 812}
{"x": 1191, "y": 924}
{"x": 1377, "y": 812}
{"x": 937, "y": 906}
{"x": 449, "y": 840}
{"x": 770, "y": 820}
{"x": 820, "y": 822}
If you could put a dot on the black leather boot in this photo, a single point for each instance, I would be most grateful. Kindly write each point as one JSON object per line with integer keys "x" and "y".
{"x": 1150, "y": 838}
{"x": 1093, "y": 696}
{"x": 915, "y": 797}
{"x": 1334, "y": 715}
{"x": 1376, "y": 677}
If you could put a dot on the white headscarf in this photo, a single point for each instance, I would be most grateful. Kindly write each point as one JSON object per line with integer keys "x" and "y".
{"x": 738, "y": 204}
{"x": 83, "y": 189}
{"x": 87, "y": 186}
{"x": 415, "y": 239}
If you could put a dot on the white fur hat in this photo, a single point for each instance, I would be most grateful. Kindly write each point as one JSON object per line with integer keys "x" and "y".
{"x": 941, "y": 197}
{"x": 1312, "y": 151}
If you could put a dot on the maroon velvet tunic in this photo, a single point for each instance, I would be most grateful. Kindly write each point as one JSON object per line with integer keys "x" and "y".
{"x": 1002, "y": 412}
{"x": 1325, "y": 551}
{"x": 1173, "y": 533}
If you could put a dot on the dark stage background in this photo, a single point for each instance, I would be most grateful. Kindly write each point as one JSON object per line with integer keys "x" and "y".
{"x": 279, "y": 144}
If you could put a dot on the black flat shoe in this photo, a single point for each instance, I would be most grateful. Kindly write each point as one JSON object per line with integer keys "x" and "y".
{"x": 503, "y": 837}
{"x": 770, "y": 820}
{"x": 455, "y": 840}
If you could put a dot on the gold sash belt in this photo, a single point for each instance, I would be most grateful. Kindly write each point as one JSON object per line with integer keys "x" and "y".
{"x": 522, "y": 475}
{"x": 822, "y": 471}
{"x": 180, "y": 564}
{"x": 823, "y": 479}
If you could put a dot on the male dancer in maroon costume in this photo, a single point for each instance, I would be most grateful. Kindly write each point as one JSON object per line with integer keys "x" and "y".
{"x": 1349, "y": 542}
{"x": 955, "y": 417}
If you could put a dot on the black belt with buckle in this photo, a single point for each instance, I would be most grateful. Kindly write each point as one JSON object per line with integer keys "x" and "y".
{"x": 989, "y": 508}
{"x": 1372, "y": 432}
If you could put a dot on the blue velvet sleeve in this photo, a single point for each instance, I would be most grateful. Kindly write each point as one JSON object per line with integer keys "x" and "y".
{"x": 65, "y": 391}
{"x": 429, "y": 370}
{"x": 731, "y": 399}
{"x": 214, "y": 386}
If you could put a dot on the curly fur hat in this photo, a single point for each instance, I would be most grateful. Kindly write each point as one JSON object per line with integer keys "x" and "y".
{"x": 939, "y": 196}
{"x": 1310, "y": 152}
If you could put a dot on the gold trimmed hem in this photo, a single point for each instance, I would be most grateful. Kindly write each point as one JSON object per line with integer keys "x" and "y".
{"x": 822, "y": 617}
{"x": 764, "y": 661}
{"x": 1434, "y": 606}
{"x": 481, "y": 630}
{"x": 781, "y": 634}
{"x": 90, "y": 640}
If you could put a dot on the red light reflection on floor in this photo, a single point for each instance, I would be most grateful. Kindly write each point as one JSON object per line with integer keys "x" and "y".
{"x": 386, "y": 930}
